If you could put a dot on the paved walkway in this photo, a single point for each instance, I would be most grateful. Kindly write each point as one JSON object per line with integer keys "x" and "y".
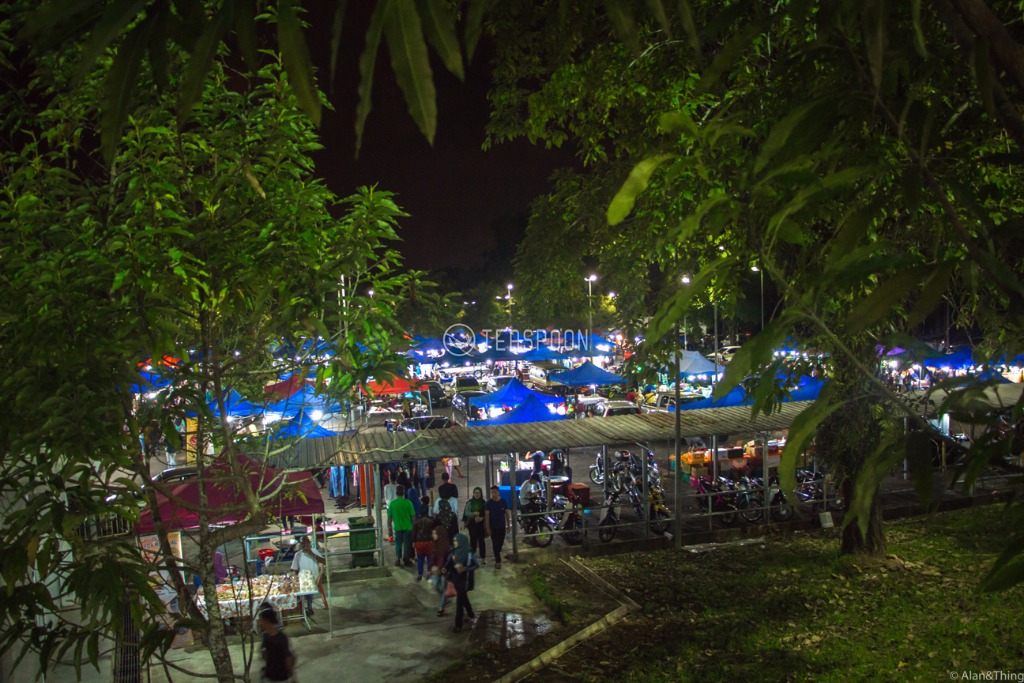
{"x": 385, "y": 628}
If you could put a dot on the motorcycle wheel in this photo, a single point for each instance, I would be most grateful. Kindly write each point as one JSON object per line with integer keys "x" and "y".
{"x": 751, "y": 511}
{"x": 574, "y": 532}
{"x": 596, "y": 476}
{"x": 605, "y": 531}
{"x": 781, "y": 510}
{"x": 544, "y": 536}
{"x": 729, "y": 517}
{"x": 659, "y": 521}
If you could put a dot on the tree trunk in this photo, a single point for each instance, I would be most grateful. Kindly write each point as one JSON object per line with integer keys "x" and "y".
{"x": 873, "y": 542}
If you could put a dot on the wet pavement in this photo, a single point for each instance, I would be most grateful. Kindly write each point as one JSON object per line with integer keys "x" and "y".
{"x": 384, "y": 628}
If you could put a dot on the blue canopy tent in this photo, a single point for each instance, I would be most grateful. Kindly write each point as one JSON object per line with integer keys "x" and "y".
{"x": 301, "y": 426}
{"x": 532, "y": 409}
{"x": 590, "y": 345}
{"x": 542, "y": 352}
{"x": 490, "y": 355}
{"x": 305, "y": 399}
{"x": 961, "y": 359}
{"x": 807, "y": 389}
{"x": 235, "y": 405}
{"x": 430, "y": 344}
{"x": 512, "y": 394}
{"x": 151, "y": 381}
{"x": 587, "y": 374}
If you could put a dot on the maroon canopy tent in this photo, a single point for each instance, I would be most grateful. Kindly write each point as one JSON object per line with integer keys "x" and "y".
{"x": 294, "y": 493}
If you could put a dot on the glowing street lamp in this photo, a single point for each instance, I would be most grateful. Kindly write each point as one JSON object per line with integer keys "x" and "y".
{"x": 591, "y": 279}
{"x": 761, "y": 272}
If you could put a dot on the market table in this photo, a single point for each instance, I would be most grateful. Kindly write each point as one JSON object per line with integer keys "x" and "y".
{"x": 242, "y": 599}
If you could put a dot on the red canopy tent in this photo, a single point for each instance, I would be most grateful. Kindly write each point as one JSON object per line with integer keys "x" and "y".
{"x": 285, "y": 388}
{"x": 293, "y": 493}
{"x": 398, "y": 385}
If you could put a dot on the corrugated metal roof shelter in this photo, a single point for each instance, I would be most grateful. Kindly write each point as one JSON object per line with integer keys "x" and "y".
{"x": 380, "y": 446}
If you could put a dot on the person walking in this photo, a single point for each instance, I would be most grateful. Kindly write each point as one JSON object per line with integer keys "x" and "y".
{"x": 402, "y": 514}
{"x": 423, "y": 538}
{"x": 439, "y": 553}
{"x": 310, "y": 559}
{"x": 447, "y": 489}
{"x": 457, "y": 571}
{"x": 446, "y": 517}
{"x": 473, "y": 520}
{"x": 278, "y": 660}
{"x": 497, "y": 521}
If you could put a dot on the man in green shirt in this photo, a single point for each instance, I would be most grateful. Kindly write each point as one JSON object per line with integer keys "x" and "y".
{"x": 402, "y": 513}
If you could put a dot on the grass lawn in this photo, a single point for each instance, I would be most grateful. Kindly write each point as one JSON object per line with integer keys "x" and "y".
{"x": 792, "y": 609}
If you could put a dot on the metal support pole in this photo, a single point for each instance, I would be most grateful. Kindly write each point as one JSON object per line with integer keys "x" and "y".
{"x": 646, "y": 516}
{"x": 764, "y": 481}
{"x": 515, "y": 504}
{"x": 677, "y": 522}
{"x": 379, "y": 518}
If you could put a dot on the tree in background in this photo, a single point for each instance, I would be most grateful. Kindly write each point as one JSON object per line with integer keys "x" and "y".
{"x": 205, "y": 240}
{"x": 867, "y": 177}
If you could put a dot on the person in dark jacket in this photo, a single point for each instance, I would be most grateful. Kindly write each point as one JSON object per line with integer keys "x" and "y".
{"x": 457, "y": 571}
{"x": 446, "y": 518}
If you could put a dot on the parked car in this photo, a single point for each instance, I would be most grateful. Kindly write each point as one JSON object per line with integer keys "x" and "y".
{"x": 464, "y": 383}
{"x": 460, "y": 404}
{"x": 435, "y": 391}
{"x": 725, "y": 354}
{"x": 176, "y": 474}
{"x": 495, "y": 382}
{"x": 417, "y": 424}
{"x": 662, "y": 401}
{"x": 612, "y": 408}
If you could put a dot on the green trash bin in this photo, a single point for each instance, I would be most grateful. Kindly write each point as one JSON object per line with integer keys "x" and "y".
{"x": 362, "y": 541}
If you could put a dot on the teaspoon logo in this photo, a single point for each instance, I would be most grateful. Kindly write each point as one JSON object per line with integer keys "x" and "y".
{"x": 458, "y": 339}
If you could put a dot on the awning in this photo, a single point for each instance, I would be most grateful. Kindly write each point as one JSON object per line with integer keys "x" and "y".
{"x": 380, "y": 446}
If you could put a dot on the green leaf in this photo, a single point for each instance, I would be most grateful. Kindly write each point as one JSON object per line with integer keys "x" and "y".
{"x": 690, "y": 29}
{"x": 336, "y": 26}
{"x": 295, "y": 55}
{"x": 439, "y": 25}
{"x": 804, "y": 426}
{"x": 474, "y": 25}
{"x": 113, "y": 20}
{"x": 1008, "y": 569}
{"x": 873, "y": 23}
{"x": 120, "y": 85}
{"x": 728, "y": 56}
{"x": 636, "y": 183}
{"x": 919, "y": 43}
{"x": 678, "y": 121}
{"x": 245, "y": 29}
{"x": 367, "y": 66}
{"x": 658, "y": 10}
{"x": 783, "y": 130}
{"x": 199, "y": 63}
{"x": 621, "y": 16}
{"x": 935, "y": 287}
{"x": 852, "y": 230}
{"x": 983, "y": 75}
{"x": 881, "y": 301}
{"x": 409, "y": 59}
{"x": 911, "y": 182}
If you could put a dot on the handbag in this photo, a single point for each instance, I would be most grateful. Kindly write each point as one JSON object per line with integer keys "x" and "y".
{"x": 449, "y": 591}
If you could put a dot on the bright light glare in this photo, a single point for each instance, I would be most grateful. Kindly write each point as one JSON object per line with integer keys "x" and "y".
{"x": 686, "y": 279}
{"x": 316, "y": 415}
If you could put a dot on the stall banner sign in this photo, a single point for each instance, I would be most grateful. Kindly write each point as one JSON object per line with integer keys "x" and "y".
{"x": 191, "y": 440}
{"x": 150, "y": 545}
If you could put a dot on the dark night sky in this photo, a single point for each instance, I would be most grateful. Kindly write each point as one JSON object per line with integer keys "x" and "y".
{"x": 467, "y": 207}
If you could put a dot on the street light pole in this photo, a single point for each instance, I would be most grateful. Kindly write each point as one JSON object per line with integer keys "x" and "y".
{"x": 509, "y": 297}
{"x": 590, "y": 302}
{"x": 761, "y": 272}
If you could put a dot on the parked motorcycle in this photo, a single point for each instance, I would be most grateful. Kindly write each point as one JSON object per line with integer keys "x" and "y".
{"x": 597, "y": 469}
{"x": 751, "y": 496}
{"x": 719, "y": 497}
